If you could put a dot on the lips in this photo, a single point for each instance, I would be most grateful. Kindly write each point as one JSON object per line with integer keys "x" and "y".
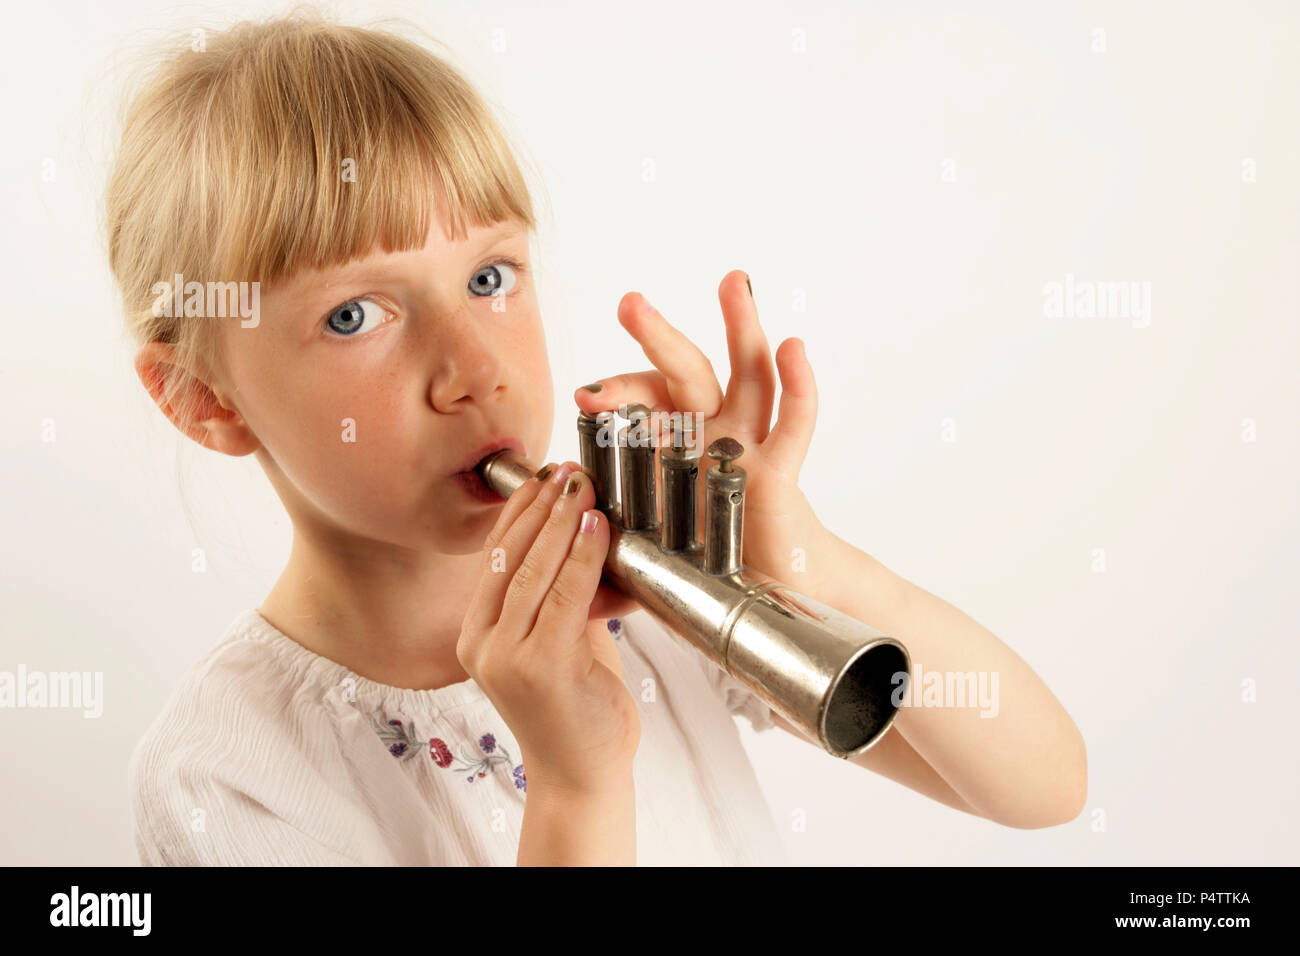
{"x": 506, "y": 441}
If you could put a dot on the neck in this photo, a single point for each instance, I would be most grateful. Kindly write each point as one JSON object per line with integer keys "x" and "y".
{"x": 390, "y": 615}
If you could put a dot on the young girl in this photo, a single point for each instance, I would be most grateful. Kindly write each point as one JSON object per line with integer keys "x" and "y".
{"x": 438, "y": 676}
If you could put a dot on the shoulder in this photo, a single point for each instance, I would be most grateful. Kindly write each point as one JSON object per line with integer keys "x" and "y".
{"x": 227, "y": 740}
{"x": 235, "y": 694}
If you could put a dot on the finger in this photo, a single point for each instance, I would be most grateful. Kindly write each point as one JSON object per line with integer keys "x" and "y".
{"x": 692, "y": 384}
{"x": 787, "y": 445}
{"x": 478, "y": 614}
{"x": 503, "y": 559}
{"x": 752, "y": 386}
{"x": 611, "y": 603}
{"x": 650, "y": 388}
{"x": 562, "y": 619}
{"x": 536, "y": 573}
{"x": 603, "y": 649}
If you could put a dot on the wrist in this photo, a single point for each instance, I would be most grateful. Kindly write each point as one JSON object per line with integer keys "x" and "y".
{"x": 586, "y": 826}
{"x": 612, "y": 782}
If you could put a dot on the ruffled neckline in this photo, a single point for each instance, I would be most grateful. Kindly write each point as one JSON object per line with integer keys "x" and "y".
{"x": 252, "y": 626}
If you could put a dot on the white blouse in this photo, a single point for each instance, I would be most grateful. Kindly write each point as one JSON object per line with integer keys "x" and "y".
{"x": 269, "y": 754}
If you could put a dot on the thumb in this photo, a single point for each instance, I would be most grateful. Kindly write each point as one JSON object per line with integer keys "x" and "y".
{"x": 603, "y": 646}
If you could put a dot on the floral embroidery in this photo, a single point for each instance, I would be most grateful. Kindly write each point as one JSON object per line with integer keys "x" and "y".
{"x": 402, "y": 745}
{"x": 615, "y": 626}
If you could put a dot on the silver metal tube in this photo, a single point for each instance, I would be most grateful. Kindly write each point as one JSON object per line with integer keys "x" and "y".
{"x": 636, "y": 470}
{"x": 833, "y": 677}
{"x": 596, "y": 439}
{"x": 724, "y": 509}
{"x": 678, "y": 475}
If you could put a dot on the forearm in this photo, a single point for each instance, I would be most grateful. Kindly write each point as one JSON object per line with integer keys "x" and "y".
{"x": 568, "y": 828}
{"x": 1020, "y": 761}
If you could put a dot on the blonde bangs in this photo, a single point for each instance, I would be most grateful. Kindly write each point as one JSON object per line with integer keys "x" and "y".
{"x": 296, "y": 144}
{"x": 349, "y": 139}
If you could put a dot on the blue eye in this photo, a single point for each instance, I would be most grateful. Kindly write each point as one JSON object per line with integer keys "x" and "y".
{"x": 489, "y": 281}
{"x": 349, "y": 319}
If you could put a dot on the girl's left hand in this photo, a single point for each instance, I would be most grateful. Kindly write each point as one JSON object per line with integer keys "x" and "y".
{"x": 782, "y": 535}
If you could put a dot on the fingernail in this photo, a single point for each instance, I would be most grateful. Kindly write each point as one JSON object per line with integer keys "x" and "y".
{"x": 541, "y": 475}
{"x": 561, "y": 472}
{"x": 572, "y": 485}
{"x": 588, "y": 522}
{"x": 751, "y": 288}
{"x": 594, "y": 387}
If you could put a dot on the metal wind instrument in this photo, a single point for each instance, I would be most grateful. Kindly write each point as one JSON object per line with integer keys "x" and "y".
{"x": 831, "y": 676}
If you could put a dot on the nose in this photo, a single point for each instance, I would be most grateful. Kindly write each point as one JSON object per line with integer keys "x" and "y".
{"x": 467, "y": 368}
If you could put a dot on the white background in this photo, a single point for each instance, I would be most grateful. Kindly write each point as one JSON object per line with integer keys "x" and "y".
{"x": 821, "y": 174}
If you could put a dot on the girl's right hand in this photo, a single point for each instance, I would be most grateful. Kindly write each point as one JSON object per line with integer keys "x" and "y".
{"x": 525, "y": 638}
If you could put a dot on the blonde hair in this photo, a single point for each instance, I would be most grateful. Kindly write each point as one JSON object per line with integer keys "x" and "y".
{"x": 232, "y": 156}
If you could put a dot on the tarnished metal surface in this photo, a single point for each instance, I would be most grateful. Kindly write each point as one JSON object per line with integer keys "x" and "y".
{"x": 833, "y": 677}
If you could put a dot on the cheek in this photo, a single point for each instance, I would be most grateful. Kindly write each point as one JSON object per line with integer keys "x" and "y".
{"x": 530, "y": 370}
{"x": 344, "y": 441}
{"x": 525, "y": 350}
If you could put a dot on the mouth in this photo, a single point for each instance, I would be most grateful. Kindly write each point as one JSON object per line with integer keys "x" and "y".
{"x": 473, "y": 485}
{"x": 471, "y": 461}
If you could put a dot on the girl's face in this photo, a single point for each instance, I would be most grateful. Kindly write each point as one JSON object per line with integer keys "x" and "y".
{"x": 371, "y": 385}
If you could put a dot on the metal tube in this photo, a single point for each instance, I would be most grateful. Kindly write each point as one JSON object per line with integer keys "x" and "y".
{"x": 724, "y": 509}
{"x": 679, "y": 472}
{"x": 636, "y": 469}
{"x": 596, "y": 440}
{"x": 834, "y": 678}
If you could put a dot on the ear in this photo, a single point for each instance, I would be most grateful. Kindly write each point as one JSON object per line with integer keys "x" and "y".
{"x": 194, "y": 407}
